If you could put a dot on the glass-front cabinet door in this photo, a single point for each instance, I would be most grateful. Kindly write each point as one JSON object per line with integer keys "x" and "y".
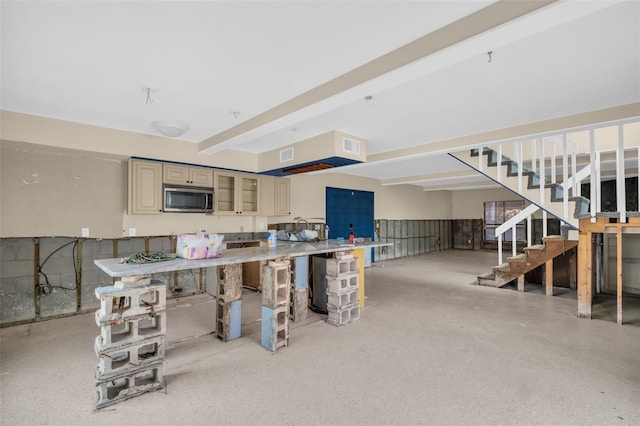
{"x": 225, "y": 193}
{"x": 249, "y": 196}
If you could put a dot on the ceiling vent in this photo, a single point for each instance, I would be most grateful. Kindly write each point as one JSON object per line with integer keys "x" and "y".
{"x": 286, "y": 155}
{"x": 351, "y": 146}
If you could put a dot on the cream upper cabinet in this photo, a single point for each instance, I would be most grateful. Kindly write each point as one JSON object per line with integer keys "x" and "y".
{"x": 282, "y": 197}
{"x": 267, "y": 196}
{"x": 145, "y": 187}
{"x": 187, "y": 175}
{"x": 249, "y": 195}
{"x": 236, "y": 193}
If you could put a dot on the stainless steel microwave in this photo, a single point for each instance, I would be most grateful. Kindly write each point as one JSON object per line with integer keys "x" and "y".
{"x": 187, "y": 199}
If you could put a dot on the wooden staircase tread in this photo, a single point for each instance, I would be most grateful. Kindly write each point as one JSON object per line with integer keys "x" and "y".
{"x": 518, "y": 258}
{"x": 553, "y": 238}
{"x": 535, "y": 247}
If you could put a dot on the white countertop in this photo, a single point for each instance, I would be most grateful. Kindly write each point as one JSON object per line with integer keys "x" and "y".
{"x": 114, "y": 268}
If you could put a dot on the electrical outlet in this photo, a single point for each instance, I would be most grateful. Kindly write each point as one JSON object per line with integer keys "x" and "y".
{"x": 85, "y": 232}
{"x": 132, "y": 232}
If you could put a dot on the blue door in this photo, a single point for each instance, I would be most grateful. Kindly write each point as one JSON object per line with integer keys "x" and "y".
{"x": 348, "y": 210}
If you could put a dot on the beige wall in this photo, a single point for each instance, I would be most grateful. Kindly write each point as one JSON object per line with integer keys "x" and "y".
{"x": 469, "y": 204}
{"x": 63, "y": 134}
{"x": 48, "y": 191}
{"x": 390, "y": 202}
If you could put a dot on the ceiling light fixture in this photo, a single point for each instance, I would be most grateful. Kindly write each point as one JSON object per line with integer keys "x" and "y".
{"x": 147, "y": 90}
{"x": 170, "y": 129}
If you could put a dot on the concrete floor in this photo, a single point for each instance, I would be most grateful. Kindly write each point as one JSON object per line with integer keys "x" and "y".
{"x": 429, "y": 348}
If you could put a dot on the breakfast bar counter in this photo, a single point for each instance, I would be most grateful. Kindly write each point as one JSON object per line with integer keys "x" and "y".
{"x": 115, "y": 269}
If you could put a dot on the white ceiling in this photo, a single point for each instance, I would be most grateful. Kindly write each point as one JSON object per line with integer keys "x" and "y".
{"x": 90, "y": 62}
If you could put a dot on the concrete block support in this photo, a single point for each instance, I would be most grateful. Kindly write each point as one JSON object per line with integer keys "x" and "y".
{"x": 276, "y": 280}
{"x": 228, "y": 319}
{"x": 298, "y": 304}
{"x": 343, "y": 316}
{"x": 276, "y": 287}
{"x": 301, "y": 272}
{"x": 346, "y": 282}
{"x": 131, "y": 330}
{"x": 229, "y": 283}
{"x": 339, "y": 267}
{"x": 343, "y": 290}
{"x": 116, "y": 389}
{"x": 275, "y": 327}
{"x": 130, "y": 347}
{"x": 343, "y": 299}
{"x": 117, "y": 303}
{"x": 119, "y": 361}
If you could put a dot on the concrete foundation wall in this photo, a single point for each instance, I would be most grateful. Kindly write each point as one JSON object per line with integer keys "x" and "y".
{"x": 412, "y": 237}
{"x": 68, "y": 277}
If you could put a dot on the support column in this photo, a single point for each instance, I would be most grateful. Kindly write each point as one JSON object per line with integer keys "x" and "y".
{"x": 619, "y": 273}
{"x": 299, "y": 292}
{"x": 130, "y": 347}
{"x": 548, "y": 272}
{"x": 521, "y": 283}
{"x": 229, "y": 302}
{"x": 585, "y": 275}
{"x": 276, "y": 288}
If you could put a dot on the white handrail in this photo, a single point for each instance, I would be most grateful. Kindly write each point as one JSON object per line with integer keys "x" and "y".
{"x": 517, "y": 219}
{"x": 511, "y": 224}
{"x": 577, "y": 178}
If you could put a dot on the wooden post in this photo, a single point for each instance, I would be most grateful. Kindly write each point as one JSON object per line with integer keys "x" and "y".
{"x": 619, "y": 271}
{"x": 548, "y": 272}
{"x": 584, "y": 274}
{"x": 521, "y": 283}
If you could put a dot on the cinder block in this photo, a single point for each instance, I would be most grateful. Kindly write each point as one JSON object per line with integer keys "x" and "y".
{"x": 342, "y": 300}
{"x": 228, "y": 319}
{"x": 122, "y": 303}
{"x": 275, "y": 327}
{"x": 134, "y": 383}
{"x": 340, "y": 267}
{"x": 17, "y": 268}
{"x": 115, "y": 362}
{"x": 344, "y": 283}
{"x": 276, "y": 280}
{"x": 340, "y": 317}
{"x": 229, "y": 282}
{"x": 131, "y": 331}
{"x": 299, "y": 304}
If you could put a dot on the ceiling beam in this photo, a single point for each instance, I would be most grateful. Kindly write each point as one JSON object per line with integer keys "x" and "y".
{"x": 483, "y": 20}
{"x": 430, "y": 177}
{"x": 489, "y": 184}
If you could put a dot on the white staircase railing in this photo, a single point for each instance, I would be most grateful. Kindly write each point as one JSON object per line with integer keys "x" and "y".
{"x": 511, "y": 224}
{"x": 537, "y": 153}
